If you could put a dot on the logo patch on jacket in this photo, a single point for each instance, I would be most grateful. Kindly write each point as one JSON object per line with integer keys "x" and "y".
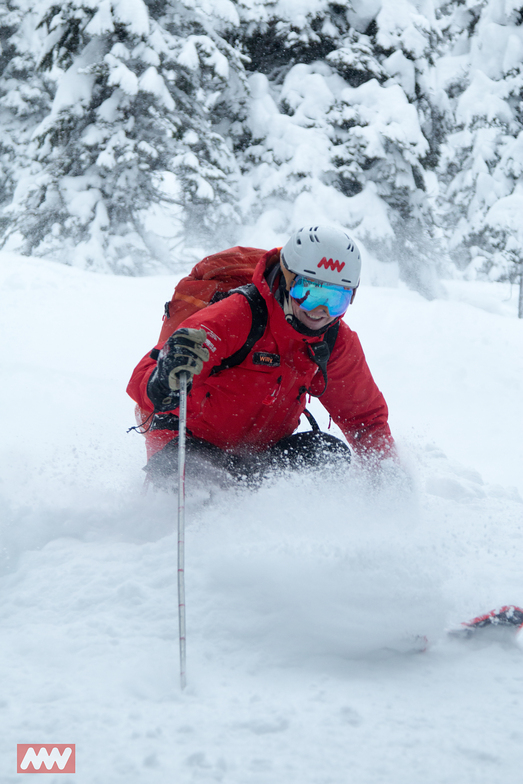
{"x": 264, "y": 358}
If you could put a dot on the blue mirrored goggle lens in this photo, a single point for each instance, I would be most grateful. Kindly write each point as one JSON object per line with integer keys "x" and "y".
{"x": 310, "y": 294}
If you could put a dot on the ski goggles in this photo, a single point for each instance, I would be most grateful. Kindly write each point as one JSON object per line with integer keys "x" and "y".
{"x": 310, "y": 294}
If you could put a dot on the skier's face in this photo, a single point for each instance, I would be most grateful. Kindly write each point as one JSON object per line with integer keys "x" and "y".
{"x": 313, "y": 319}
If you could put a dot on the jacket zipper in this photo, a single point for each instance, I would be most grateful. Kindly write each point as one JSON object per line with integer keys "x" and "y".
{"x": 270, "y": 400}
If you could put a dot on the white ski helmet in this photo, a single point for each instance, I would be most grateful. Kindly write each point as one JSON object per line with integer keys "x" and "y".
{"x": 324, "y": 254}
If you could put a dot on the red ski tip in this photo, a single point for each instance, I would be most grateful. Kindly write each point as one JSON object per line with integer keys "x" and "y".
{"x": 509, "y": 615}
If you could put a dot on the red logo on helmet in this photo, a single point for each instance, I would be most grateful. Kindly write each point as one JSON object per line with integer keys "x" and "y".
{"x": 331, "y": 264}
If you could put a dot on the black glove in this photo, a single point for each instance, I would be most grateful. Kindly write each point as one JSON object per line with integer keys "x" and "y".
{"x": 183, "y": 352}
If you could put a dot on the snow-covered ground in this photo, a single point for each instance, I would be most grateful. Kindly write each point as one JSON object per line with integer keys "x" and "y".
{"x": 300, "y": 597}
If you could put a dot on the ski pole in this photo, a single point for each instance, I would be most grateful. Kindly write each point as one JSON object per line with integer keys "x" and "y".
{"x": 182, "y": 415}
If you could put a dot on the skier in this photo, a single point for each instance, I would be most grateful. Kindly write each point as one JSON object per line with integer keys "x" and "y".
{"x": 243, "y": 408}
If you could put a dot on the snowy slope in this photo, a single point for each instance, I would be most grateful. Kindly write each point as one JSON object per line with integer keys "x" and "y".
{"x": 299, "y": 596}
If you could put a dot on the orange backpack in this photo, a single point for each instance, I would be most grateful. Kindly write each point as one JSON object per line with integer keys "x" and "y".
{"x": 211, "y": 278}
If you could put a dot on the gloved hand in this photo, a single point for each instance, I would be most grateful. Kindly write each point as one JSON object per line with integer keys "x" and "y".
{"x": 183, "y": 352}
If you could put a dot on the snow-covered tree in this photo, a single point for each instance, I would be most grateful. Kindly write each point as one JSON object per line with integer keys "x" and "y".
{"x": 340, "y": 100}
{"x": 137, "y": 137}
{"x": 131, "y": 165}
{"x": 482, "y": 163}
{"x": 25, "y": 95}
{"x": 380, "y": 150}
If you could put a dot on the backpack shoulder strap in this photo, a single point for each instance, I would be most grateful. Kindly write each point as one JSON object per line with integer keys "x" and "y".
{"x": 320, "y": 352}
{"x": 331, "y": 335}
{"x": 260, "y": 316}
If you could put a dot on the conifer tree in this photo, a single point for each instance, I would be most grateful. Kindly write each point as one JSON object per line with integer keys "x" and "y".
{"x": 129, "y": 151}
{"x": 482, "y": 165}
{"x": 25, "y": 95}
{"x": 380, "y": 151}
{"x": 353, "y": 83}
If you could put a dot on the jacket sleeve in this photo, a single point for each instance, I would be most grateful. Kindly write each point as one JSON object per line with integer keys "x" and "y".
{"x": 227, "y": 324}
{"x": 353, "y": 399}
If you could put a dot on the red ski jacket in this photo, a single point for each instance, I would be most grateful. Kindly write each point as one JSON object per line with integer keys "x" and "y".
{"x": 250, "y": 407}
